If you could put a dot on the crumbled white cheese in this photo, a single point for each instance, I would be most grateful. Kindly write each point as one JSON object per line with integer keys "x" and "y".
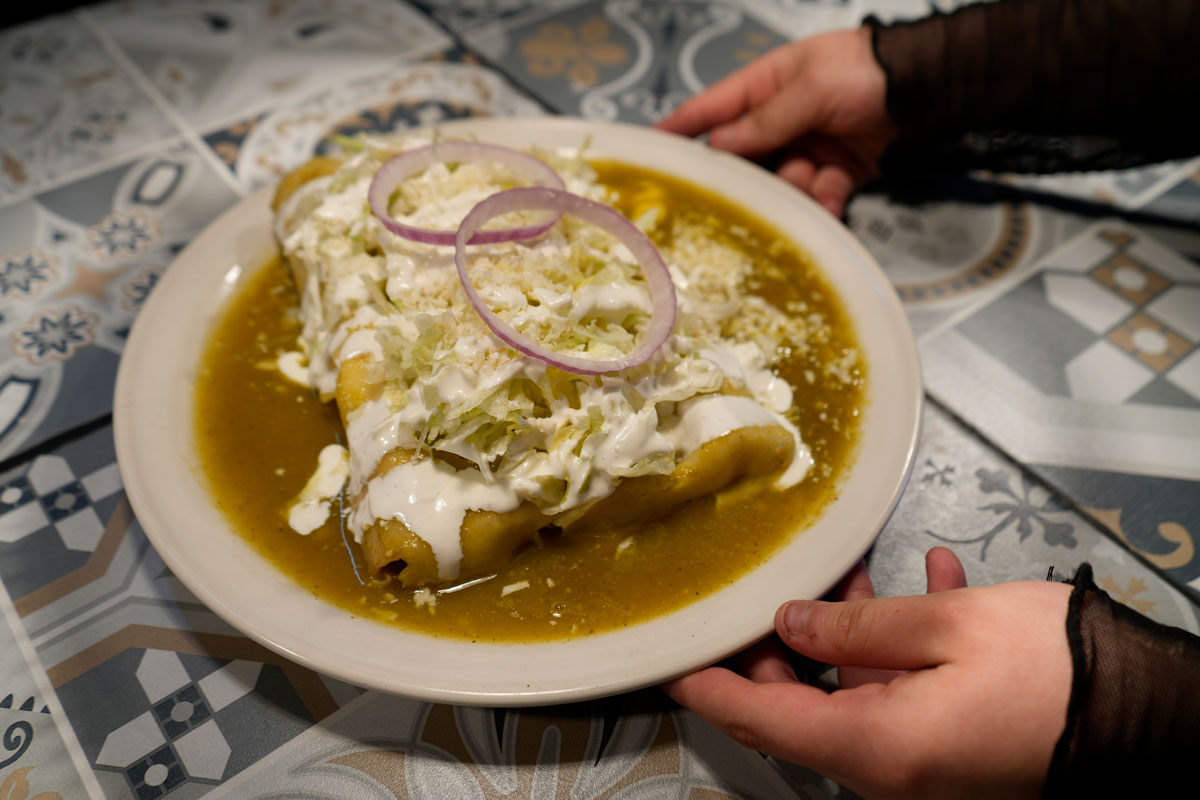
{"x": 530, "y": 433}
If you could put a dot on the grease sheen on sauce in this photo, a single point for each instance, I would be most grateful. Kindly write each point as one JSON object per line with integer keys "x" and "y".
{"x": 259, "y": 436}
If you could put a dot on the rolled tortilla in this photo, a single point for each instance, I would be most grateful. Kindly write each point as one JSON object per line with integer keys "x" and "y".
{"x": 753, "y": 451}
{"x": 490, "y": 539}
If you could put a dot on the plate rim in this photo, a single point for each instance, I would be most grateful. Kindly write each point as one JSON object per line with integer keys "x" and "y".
{"x": 131, "y": 430}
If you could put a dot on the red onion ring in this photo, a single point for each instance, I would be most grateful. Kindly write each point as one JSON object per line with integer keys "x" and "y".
{"x": 400, "y": 167}
{"x": 662, "y": 288}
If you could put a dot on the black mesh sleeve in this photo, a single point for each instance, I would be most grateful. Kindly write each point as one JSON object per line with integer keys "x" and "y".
{"x": 1133, "y": 719}
{"x": 1044, "y": 85}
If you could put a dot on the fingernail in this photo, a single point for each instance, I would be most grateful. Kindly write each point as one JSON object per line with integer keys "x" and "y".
{"x": 796, "y": 616}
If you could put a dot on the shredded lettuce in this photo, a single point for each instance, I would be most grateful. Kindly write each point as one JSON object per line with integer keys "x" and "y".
{"x": 657, "y": 464}
{"x": 576, "y": 289}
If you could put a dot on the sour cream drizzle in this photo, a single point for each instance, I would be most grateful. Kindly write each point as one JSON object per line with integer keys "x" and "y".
{"x": 711, "y": 416}
{"x": 431, "y": 498}
{"x": 312, "y": 507}
{"x": 664, "y": 412}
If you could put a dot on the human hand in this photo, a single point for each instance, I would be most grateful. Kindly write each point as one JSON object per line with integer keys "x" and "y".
{"x": 953, "y": 693}
{"x": 819, "y": 104}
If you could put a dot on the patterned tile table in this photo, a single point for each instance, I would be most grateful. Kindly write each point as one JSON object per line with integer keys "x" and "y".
{"x": 1059, "y": 323}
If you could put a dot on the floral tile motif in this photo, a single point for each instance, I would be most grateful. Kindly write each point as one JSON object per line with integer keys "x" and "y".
{"x": 221, "y": 59}
{"x": 944, "y": 254}
{"x": 966, "y": 496}
{"x": 1090, "y": 350}
{"x": 67, "y": 105}
{"x": 190, "y": 705}
{"x": 1087, "y": 370}
{"x": 260, "y": 149}
{"x": 622, "y": 59}
{"x": 35, "y": 761}
{"x": 76, "y": 264}
{"x": 1154, "y": 517}
{"x": 1005, "y": 525}
{"x": 631, "y": 746}
{"x": 947, "y": 250}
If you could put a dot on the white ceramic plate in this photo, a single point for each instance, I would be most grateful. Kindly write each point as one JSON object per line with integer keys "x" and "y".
{"x": 153, "y": 426}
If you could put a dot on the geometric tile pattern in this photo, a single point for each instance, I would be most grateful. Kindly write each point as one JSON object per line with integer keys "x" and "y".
{"x": 186, "y": 701}
{"x": 53, "y": 505}
{"x": 185, "y": 708}
{"x": 128, "y": 126}
{"x": 414, "y": 747}
{"x": 179, "y": 738}
{"x": 1109, "y": 318}
{"x": 1086, "y": 370}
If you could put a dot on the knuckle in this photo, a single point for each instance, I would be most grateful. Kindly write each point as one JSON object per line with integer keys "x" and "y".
{"x": 968, "y": 619}
{"x": 742, "y": 730}
{"x": 851, "y": 627}
{"x": 954, "y": 615}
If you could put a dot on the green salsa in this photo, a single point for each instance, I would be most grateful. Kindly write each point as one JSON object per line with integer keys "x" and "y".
{"x": 259, "y": 435}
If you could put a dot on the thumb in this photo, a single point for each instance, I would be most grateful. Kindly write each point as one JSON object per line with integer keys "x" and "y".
{"x": 892, "y": 633}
